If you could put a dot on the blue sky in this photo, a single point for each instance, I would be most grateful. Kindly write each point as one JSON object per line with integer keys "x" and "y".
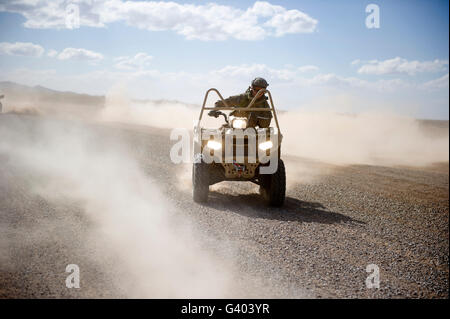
{"x": 305, "y": 49}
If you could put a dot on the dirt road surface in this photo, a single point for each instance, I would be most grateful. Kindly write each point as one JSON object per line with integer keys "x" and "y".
{"x": 336, "y": 221}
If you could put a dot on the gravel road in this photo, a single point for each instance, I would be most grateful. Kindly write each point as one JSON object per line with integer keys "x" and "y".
{"x": 336, "y": 221}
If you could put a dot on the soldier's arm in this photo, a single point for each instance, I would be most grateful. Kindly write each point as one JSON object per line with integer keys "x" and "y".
{"x": 231, "y": 101}
{"x": 220, "y": 103}
{"x": 265, "y": 114}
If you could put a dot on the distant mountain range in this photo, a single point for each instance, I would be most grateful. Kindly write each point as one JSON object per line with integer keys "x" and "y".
{"x": 42, "y": 95}
{"x": 18, "y": 93}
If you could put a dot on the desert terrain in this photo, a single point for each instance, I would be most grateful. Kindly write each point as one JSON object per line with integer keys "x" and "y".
{"x": 106, "y": 197}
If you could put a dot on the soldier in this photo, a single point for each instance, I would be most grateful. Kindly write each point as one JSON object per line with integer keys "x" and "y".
{"x": 261, "y": 119}
{"x": 1, "y": 106}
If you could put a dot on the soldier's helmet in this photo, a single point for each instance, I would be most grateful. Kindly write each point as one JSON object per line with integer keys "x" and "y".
{"x": 260, "y": 82}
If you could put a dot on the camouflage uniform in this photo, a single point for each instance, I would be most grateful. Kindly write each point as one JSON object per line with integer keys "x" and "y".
{"x": 262, "y": 119}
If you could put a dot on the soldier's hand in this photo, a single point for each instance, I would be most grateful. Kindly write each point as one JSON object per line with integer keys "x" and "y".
{"x": 214, "y": 113}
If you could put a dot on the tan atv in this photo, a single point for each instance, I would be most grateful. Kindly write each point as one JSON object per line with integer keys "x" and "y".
{"x": 235, "y": 152}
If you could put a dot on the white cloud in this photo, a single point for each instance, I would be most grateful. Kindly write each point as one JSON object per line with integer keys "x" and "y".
{"x": 52, "y": 14}
{"x": 292, "y": 91}
{"x": 137, "y": 72}
{"x": 139, "y": 61}
{"x": 291, "y": 21}
{"x": 232, "y": 78}
{"x": 79, "y": 54}
{"x": 399, "y": 65}
{"x": 295, "y": 77}
{"x": 437, "y": 84}
{"x": 251, "y": 71}
{"x": 52, "y": 53}
{"x": 336, "y": 81}
{"x": 21, "y": 48}
{"x": 204, "y": 22}
{"x": 265, "y": 9}
{"x": 210, "y": 21}
{"x": 307, "y": 68}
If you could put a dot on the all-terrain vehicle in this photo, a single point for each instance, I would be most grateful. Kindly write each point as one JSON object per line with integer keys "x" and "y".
{"x": 235, "y": 152}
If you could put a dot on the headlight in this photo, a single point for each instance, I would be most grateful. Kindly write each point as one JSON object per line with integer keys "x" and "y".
{"x": 239, "y": 123}
{"x": 264, "y": 146}
{"x": 214, "y": 145}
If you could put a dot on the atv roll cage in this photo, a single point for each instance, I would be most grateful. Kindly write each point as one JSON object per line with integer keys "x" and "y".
{"x": 248, "y": 108}
{"x": 231, "y": 167}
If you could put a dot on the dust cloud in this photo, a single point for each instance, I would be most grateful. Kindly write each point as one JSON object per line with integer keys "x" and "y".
{"x": 367, "y": 138}
{"x": 161, "y": 258}
{"x": 373, "y": 138}
{"x": 162, "y": 114}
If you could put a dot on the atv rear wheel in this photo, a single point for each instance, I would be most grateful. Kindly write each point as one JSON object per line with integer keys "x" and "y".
{"x": 273, "y": 186}
{"x": 200, "y": 182}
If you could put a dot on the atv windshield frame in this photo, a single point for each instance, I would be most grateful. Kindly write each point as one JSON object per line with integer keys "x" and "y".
{"x": 248, "y": 108}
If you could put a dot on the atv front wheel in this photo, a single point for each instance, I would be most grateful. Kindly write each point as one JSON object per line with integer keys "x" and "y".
{"x": 273, "y": 186}
{"x": 200, "y": 182}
